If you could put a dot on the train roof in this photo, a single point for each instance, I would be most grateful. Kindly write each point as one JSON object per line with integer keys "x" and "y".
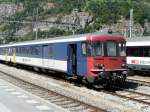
{"x": 70, "y": 38}
{"x": 138, "y": 41}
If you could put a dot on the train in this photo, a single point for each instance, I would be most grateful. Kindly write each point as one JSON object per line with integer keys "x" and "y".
{"x": 138, "y": 55}
{"x": 96, "y": 58}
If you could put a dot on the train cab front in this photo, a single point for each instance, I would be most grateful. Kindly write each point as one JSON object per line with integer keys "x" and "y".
{"x": 106, "y": 60}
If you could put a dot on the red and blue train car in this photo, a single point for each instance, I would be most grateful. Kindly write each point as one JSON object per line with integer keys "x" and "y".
{"x": 97, "y": 58}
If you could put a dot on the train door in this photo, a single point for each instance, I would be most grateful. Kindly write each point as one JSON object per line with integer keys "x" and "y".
{"x": 72, "y": 59}
{"x": 14, "y": 55}
{"x": 48, "y": 60}
{"x": 5, "y": 54}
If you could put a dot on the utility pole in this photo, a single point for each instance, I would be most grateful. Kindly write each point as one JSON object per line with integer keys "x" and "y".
{"x": 37, "y": 14}
{"x": 131, "y": 23}
{"x": 76, "y": 21}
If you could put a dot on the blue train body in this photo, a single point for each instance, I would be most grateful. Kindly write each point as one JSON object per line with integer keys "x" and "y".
{"x": 77, "y": 56}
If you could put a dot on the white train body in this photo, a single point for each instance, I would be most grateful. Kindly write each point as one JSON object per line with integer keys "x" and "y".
{"x": 138, "y": 55}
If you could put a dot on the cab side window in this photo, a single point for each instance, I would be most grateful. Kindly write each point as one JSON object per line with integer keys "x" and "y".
{"x": 83, "y": 46}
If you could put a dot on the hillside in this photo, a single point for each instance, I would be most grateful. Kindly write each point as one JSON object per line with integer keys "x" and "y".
{"x": 20, "y": 19}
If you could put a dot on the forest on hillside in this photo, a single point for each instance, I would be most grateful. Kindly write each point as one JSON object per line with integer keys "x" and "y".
{"x": 103, "y": 12}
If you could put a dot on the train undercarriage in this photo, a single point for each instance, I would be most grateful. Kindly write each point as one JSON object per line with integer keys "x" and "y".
{"x": 108, "y": 78}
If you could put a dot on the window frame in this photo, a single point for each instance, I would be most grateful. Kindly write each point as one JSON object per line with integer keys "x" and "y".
{"x": 85, "y": 43}
{"x": 106, "y": 50}
{"x": 50, "y": 51}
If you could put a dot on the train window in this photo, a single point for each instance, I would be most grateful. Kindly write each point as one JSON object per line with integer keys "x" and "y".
{"x": 140, "y": 52}
{"x": 146, "y": 52}
{"x": 84, "y": 49}
{"x": 35, "y": 51}
{"x": 20, "y": 50}
{"x": 30, "y": 50}
{"x": 97, "y": 49}
{"x": 23, "y": 50}
{"x": 111, "y": 48}
{"x": 132, "y": 52}
{"x": 89, "y": 49}
{"x": 4, "y": 51}
{"x": 27, "y": 51}
{"x": 16, "y": 50}
{"x": 50, "y": 52}
{"x": 122, "y": 49}
{"x": 9, "y": 51}
{"x": 135, "y": 51}
{"x": 93, "y": 49}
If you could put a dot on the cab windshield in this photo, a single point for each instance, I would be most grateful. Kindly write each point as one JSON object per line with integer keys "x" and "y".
{"x": 95, "y": 49}
{"x": 111, "y": 48}
{"x": 107, "y": 48}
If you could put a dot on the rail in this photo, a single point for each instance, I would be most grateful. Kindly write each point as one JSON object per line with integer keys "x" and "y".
{"x": 50, "y": 96}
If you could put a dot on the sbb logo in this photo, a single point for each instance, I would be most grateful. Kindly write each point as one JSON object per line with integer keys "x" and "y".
{"x": 135, "y": 61}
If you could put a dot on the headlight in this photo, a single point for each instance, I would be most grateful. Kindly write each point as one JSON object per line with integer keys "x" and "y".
{"x": 101, "y": 66}
{"x": 123, "y": 65}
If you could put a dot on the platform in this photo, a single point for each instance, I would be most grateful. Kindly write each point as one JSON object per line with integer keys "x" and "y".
{"x": 14, "y": 99}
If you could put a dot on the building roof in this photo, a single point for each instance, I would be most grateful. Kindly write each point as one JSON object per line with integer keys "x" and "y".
{"x": 138, "y": 39}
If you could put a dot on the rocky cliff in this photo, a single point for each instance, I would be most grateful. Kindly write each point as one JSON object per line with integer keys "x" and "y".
{"x": 20, "y": 20}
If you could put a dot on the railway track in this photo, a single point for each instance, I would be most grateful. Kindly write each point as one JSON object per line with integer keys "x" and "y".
{"x": 131, "y": 95}
{"x": 65, "y": 102}
{"x": 139, "y": 82}
{"x": 71, "y": 103}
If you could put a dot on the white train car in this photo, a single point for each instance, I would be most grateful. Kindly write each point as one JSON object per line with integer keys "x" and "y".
{"x": 138, "y": 54}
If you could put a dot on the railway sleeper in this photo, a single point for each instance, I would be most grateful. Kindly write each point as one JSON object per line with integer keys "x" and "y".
{"x": 81, "y": 107}
{"x": 73, "y": 105}
{"x": 51, "y": 96}
{"x": 64, "y": 102}
{"x": 55, "y": 97}
{"x": 47, "y": 97}
{"x": 58, "y": 100}
{"x": 69, "y": 104}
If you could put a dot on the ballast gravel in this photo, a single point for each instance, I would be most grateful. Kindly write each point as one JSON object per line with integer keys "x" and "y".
{"x": 143, "y": 78}
{"x": 96, "y": 98}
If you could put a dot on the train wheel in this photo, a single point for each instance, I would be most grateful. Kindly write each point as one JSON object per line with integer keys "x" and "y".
{"x": 89, "y": 82}
{"x": 44, "y": 70}
{"x": 36, "y": 69}
{"x": 79, "y": 79}
{"x": 90, "y": 79}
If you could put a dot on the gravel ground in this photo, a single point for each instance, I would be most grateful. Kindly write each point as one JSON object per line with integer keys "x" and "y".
{"x": 143, "y": 78}
{"x": 143, "y": 89}
{"x": 101, "y": 99}
{"x": 118, "y": 100}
